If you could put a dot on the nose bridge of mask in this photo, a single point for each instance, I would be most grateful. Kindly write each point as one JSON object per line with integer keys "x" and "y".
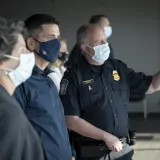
{"x": 102, "y": 46}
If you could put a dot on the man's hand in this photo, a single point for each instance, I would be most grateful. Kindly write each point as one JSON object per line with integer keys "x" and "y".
{"x": 88, "y": 130}
{"x": 155, "y": 85}
{"x": 112, "y": 142}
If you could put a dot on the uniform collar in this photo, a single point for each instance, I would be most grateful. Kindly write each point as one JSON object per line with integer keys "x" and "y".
{"x": 88, "y": 67}
{"x": 37, "y": 70}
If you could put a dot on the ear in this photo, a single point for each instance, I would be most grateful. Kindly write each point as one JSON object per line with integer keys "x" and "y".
{"x": 83, "y": 48}
{"x": 31, "y": 44}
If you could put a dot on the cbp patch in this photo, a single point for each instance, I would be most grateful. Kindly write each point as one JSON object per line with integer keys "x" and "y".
{"x": 63, "y": 87}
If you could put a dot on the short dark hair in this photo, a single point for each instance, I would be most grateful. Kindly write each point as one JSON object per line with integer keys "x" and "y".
{"x": 9, "y": 32}
{"x": 34, "y": 23}
{"x": 97, "y": 18}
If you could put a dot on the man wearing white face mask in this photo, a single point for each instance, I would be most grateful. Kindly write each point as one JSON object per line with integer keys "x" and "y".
{"x": 98, "y": 19}
{"x": 104, "y": 22}
{"x": 18, "y": 139}
{"x": 95, "y": 95}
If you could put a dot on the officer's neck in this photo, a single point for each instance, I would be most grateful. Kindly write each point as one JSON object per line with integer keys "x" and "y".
{"x": 7, "y": 84}
{"x": 41, "y": 63}
{"x": 94, "y": 63}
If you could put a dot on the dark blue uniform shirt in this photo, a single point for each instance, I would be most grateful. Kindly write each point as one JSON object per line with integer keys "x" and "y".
{"x": 100, "y": 94}
{"x": 41, "y": 103}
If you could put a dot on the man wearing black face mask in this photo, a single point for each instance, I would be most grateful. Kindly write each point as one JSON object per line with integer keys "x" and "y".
{"x": 38, "y": 96}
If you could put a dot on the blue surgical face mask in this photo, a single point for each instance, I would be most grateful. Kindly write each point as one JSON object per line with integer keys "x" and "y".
{"x": 49, "y": 50}
{"x": 101, "y": 53}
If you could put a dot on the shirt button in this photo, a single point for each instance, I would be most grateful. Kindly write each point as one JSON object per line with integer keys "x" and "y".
{"x": 111, "y": 101}
{"x": 115, "y": 115}
{"x": 106, "y": 87}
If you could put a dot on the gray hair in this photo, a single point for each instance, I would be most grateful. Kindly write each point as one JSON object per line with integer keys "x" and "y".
{"x": 83, "y": 32}
{"x": 9, "y": 31}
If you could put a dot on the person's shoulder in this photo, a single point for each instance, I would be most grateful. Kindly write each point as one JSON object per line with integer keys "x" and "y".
{"x": 71, "y": 69}
{"x": 22, "y": 89}
{"x": 48, "y": 70}
{"x": 117, "y": 62}
{"x": 9, "y": 105}
{"x": 71, "y": 74}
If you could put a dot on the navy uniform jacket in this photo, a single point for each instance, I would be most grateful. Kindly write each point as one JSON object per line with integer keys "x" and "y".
{"x": 100, "y": 94}
{"x": 40, "y": 101}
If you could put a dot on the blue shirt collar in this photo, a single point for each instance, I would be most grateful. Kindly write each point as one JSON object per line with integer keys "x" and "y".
{"x": 37, "y": 70}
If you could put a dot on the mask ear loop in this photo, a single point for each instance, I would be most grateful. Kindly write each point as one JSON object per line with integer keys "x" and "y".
{"x": 37, "y": 42}
{"x": 3, "y": 72}
{"x": 88, "y": 52}
{"x": 11, "y": 57}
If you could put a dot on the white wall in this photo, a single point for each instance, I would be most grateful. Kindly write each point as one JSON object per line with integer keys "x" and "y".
{"x": 136, "y": 27}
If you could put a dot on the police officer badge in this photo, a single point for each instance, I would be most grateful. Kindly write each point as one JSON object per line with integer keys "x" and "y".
{"x": 116, "y": 75}
{"x": 63, "y": 87}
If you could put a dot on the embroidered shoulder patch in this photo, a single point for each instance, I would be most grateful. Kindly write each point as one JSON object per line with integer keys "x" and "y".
{"x": 63, "y": 87}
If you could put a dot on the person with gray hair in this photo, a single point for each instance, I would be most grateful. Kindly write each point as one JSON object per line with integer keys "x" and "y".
{"x": 95, "y": 95}
{"x": 18, "y": 139}
{"x": 101, "y": 20}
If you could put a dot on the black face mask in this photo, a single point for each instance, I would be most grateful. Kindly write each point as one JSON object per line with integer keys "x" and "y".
{"x": 63, "y": 56}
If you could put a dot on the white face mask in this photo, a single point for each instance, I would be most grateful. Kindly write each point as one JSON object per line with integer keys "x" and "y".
{"x": 102, "y": 53}
{"x": 108, "y": 31}
{"x": 24, "y": 70}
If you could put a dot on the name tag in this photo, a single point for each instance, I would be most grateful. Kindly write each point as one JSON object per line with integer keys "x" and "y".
{"x": 88, "y": 81}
